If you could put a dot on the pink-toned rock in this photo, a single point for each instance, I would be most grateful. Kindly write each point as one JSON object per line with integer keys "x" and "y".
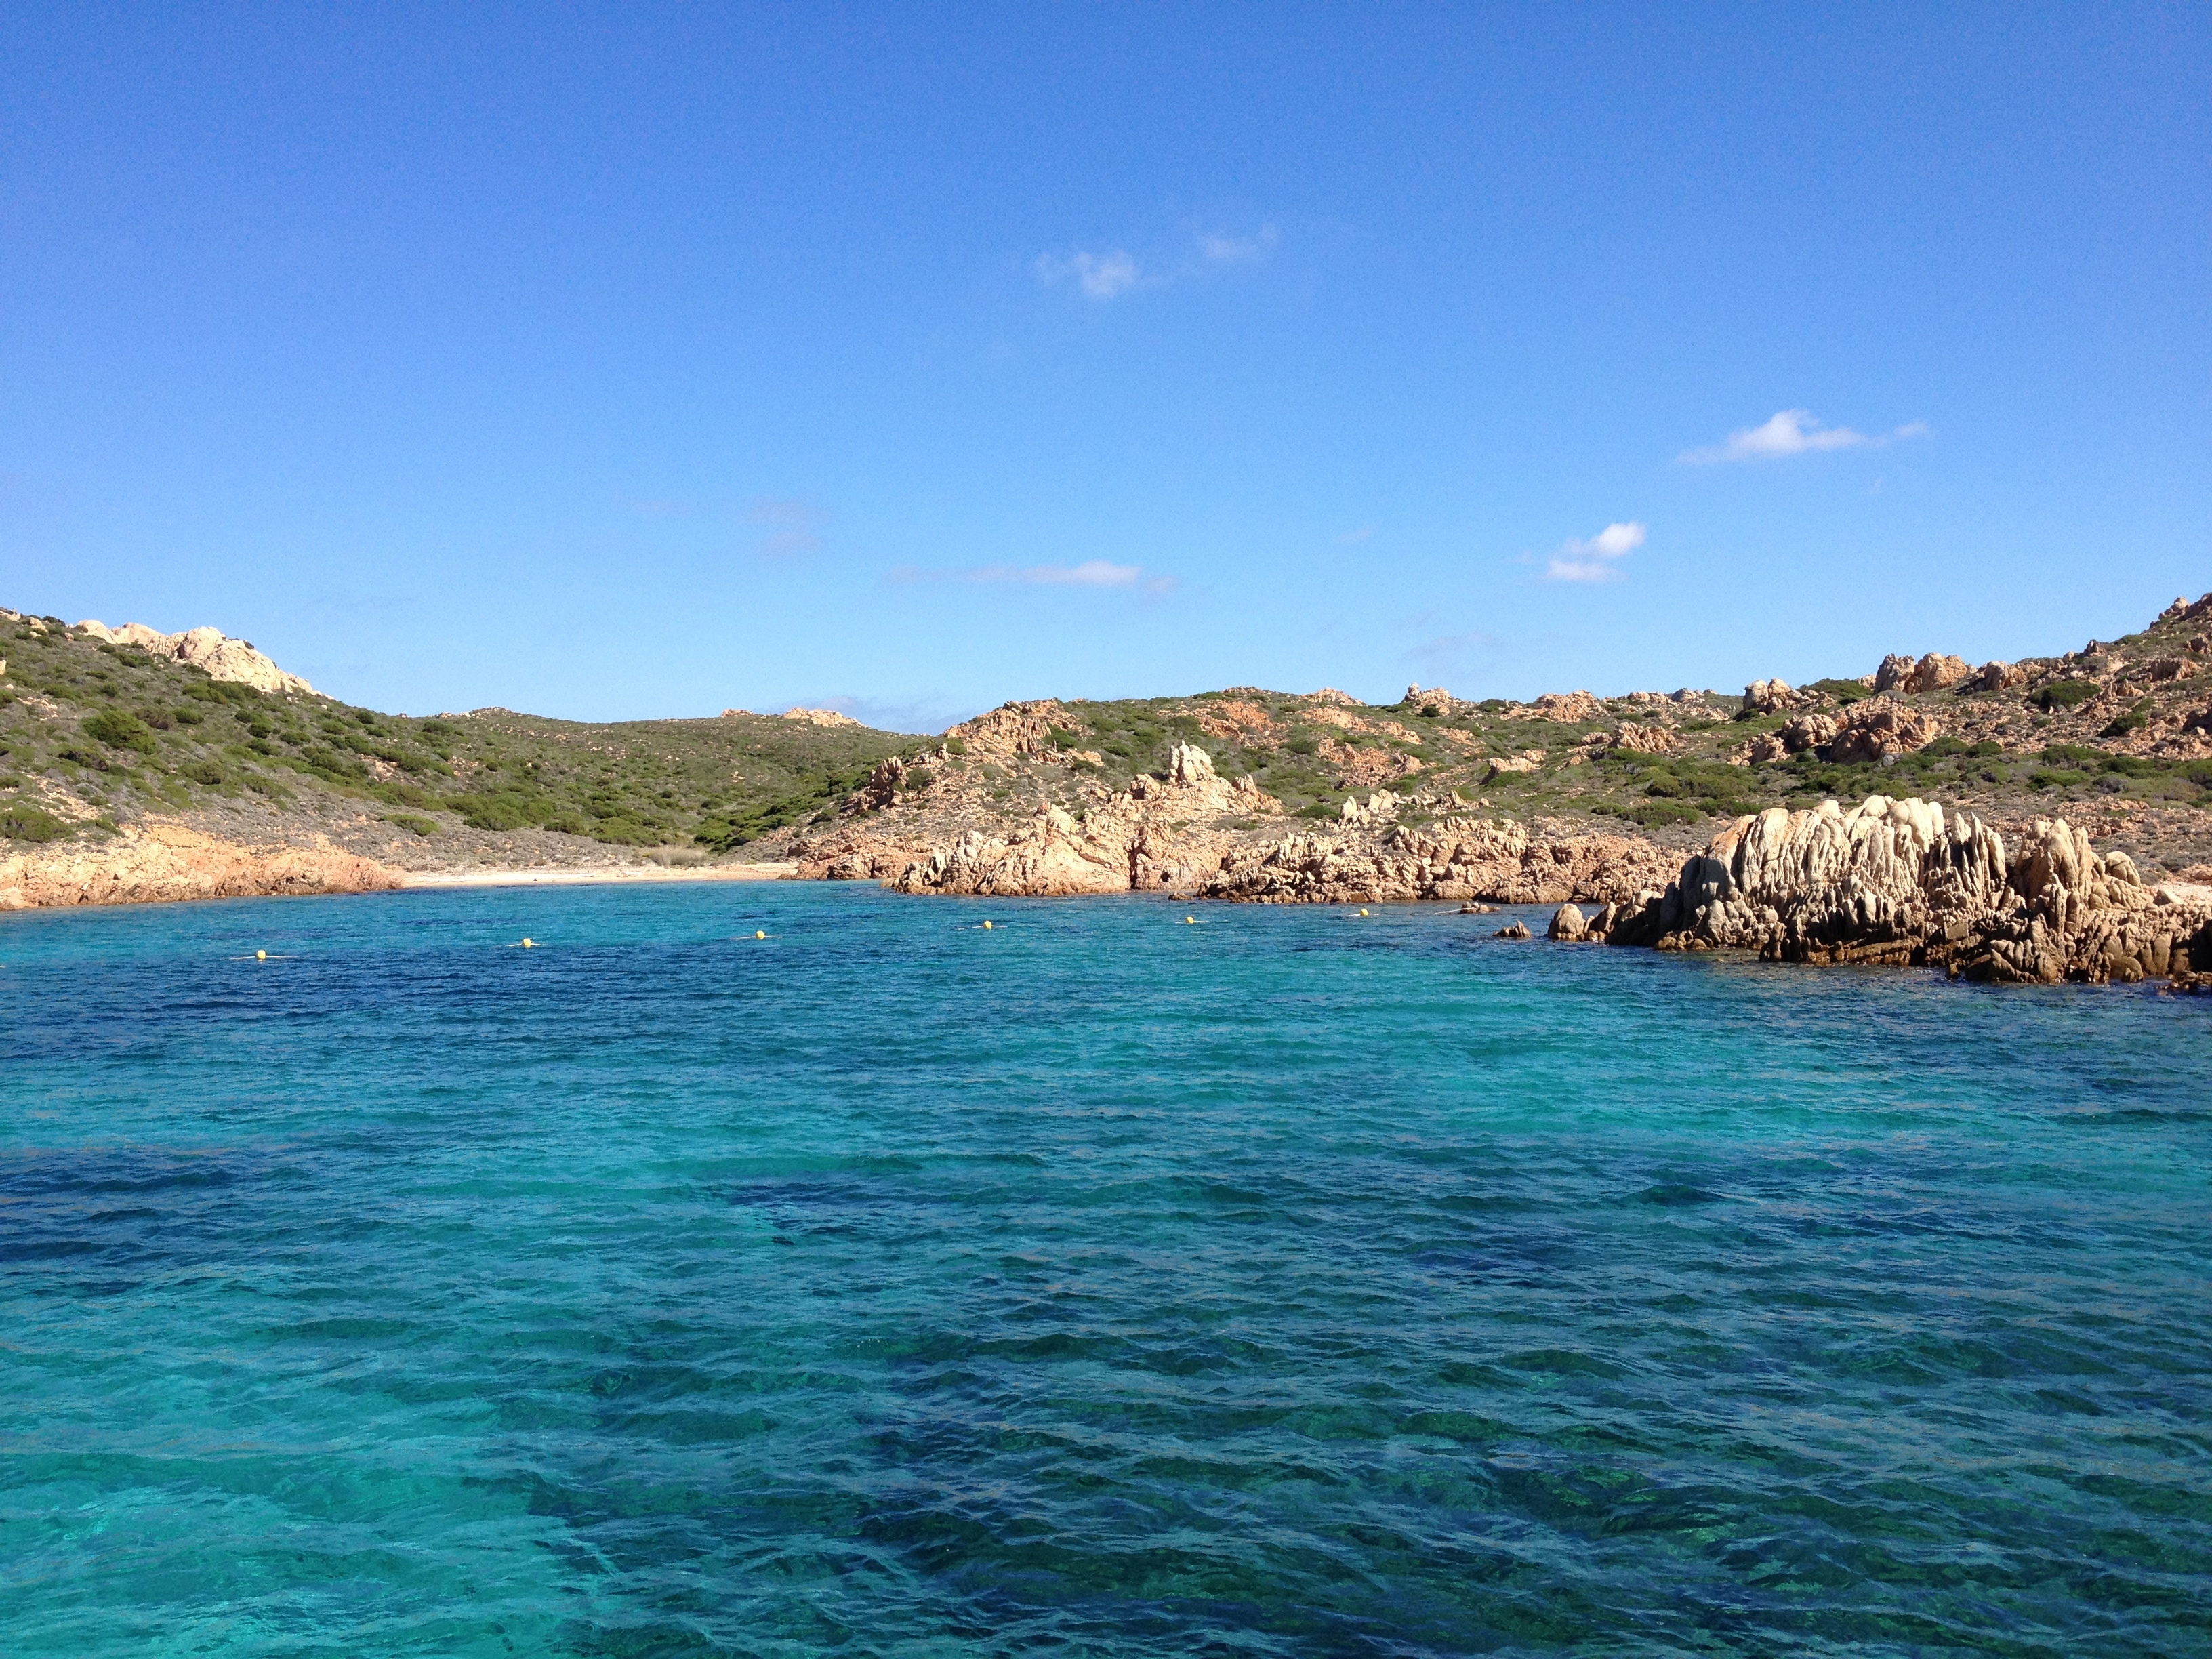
{"x": 1880, "y": 726}
{"x": 1012, "y": 728}
{"x": 156, "y": 863}
{"x": 1569, "y": 708}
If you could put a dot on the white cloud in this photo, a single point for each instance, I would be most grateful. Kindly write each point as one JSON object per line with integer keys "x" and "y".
{"x": 1793, "y": 432}
{"x": 1092, "y": 573}
{"x": 1595, "y": 560}
{"x": 793, "y": 527}
{"x": 1238, "y": 250}
{"x": 1100, "y": 276}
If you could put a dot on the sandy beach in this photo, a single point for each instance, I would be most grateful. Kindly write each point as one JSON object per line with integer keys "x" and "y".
{"x": 576, "y": 877}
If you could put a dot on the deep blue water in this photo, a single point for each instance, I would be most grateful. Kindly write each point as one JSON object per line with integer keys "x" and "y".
{"x": 1291, "y": 1283}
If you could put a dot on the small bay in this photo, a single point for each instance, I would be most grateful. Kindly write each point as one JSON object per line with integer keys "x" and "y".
{"x": 1286, "y": 1282}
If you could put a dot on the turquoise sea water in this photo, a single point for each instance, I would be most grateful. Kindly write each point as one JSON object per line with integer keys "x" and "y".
{"x": 1291, "y": 1283}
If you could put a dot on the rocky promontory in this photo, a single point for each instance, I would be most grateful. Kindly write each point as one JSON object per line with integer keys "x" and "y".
{"x": 1900, "y": 881}
{"x": 160, "y": 863}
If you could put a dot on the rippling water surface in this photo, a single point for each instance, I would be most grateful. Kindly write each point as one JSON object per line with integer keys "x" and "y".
{"x": 1288, "y": 1283}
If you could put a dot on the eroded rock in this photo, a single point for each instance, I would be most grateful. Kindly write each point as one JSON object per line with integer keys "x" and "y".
{"x": 1896, "y": 881}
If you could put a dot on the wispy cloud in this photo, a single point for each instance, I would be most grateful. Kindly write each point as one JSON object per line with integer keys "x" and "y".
{"x": 789, "y": 527}
{"x": 1100, "y": 276}
{"x": 1092, "y": 573}
{"x": 1227, "y": 250}
{"x": 1110, "y": 275}
{"x": 1596, "y": 560}
{"x": 1793, "y": 431}
{"x": 1453, "y": 652}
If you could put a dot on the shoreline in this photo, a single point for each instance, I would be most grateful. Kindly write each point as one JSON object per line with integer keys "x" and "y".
{"x": 556, "y": 876}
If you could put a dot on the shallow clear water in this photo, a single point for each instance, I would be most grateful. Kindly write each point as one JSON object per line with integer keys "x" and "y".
{"x": 1291, "y": 1283}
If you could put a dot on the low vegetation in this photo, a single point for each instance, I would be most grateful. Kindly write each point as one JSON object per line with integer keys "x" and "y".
{"x": 125, "y": 733}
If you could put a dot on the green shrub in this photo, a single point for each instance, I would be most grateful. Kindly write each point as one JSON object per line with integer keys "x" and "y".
{"x": 496, "y": 813}
{"x": 2133, "y": 721}
{"x": 1843, "y": 691}
{"x": 1662, "y": 812}
{"x": 119, "y": 729}
{"x": 409, "y": 821}
{"x": 956, "y": 745}
{"x": 2046, "y": 778}
{"x": 206, "y": 772}
{"x": 918, "y": 778}
{"x": 2065, "y": 694}
{"x": 21, "y": 821}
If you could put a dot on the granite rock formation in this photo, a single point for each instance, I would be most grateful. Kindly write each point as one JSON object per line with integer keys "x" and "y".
{"x": 1456, "y": 858}
{"x": 155, "y": 863}
{"x": 208, "y": 649}
{"x": 1897, "y": 881}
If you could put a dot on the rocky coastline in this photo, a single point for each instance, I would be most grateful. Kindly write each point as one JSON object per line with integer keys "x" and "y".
{"x": 165, "y": 863}
{"x": 1898, "y": 882}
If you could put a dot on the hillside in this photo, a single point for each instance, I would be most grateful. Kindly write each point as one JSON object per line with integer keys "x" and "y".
{"x": 2117, "y": 735}
{"x": 97, "y": 730}
{"x": 104, "y": 728}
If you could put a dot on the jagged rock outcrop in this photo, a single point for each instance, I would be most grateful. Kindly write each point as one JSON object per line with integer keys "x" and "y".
{"x": 1896, "y": 881}
{"x": 1456, "y": 858}
{"x": 1647, "y": 739}
{"x": 1051, "y": 857}
{"x": 1773, "y": 696}
{"x": 208, "y": 649}
{"x": 818, "y": 717}
{"x": 1527, "y": 761}
{"x": 1568, "y": 708}
{"x": 1878, "y": 728}
{"x": 1805, "y": 732}
{"x": 156, "y": 863}
{"x": 1161, "y": 832}
{"x": 884, "y": 786}
{"x": 1011, "y": 729}
{"x": 1914, "y": 676}
{"x": 2184, "y": 611}
{"x": 1995, "y": 677}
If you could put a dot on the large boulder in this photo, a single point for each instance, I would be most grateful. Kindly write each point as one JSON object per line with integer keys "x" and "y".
{"x": 1879, "y": 728}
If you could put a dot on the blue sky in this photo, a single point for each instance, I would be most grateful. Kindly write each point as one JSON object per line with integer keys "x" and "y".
{"x": 648, "y": 359}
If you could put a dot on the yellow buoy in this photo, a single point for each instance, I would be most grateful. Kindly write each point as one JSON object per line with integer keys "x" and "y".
{"x": 986, "y": 926}
{"x": 758, "y": 933}
{"x": 1190, "y": 921}
{"x": 1363, "y": 913}
{"x": 261, "y": 956}
{"x": 527, "y": 943}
